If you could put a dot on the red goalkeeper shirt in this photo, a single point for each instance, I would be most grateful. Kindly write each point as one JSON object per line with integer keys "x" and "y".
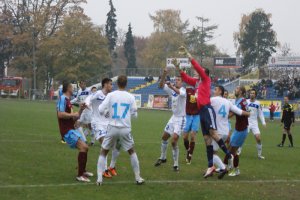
{"x": 203, "y": 97}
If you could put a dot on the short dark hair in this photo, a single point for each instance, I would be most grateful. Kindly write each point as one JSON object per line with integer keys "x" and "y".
{"x": 243, "y": 89}
{"x": 206, "y": 71}
{"x": 105, "y": 81}
{"x": 65, "y": 86}
{"x": 225, "y": 90}
{"x": 222, "y": 89}
{"x": 254, "y": 91}
{"x": 82, "y": 81}
{"x": 122, "y": 81}
{"x": 93, "y": 88}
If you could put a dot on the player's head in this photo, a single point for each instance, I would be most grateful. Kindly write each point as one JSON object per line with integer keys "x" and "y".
{"x": 122, "y": 82}
{"x": 252, "y": 94}
{"x": 107, "y": 84}
{"x": 67, "y": 88}
{"x": 82, "y": 84}
{"x": 178, "y": 82}
{"x": 225, "y": 94}
{"x": 240, "y": 91}
{"x": 286, "y": 99}
{"x": 219, "y": 90}
{"x": 93, "y": 89}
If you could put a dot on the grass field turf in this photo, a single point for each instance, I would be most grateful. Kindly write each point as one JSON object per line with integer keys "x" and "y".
{"x": 34, "y": 165}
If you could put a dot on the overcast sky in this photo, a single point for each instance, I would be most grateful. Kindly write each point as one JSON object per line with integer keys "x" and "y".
{"x": 225, "y": 13}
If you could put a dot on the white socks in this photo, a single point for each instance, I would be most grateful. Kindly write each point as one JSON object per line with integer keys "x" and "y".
{"x": 101, "y": 167}
{"x": 106, "y": 163}
{"x": 218, "y": 162}
{"x": 175, "y": 152}
{"x": 115, "y": 155}
{"x": 164, "y": 146}
{"x": 135, "y": 166}
{"x": 239, "y": 151}
{"x": 259, "y": 149}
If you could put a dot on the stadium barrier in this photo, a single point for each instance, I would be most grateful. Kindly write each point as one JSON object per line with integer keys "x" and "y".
{"x": 163, "y": 102}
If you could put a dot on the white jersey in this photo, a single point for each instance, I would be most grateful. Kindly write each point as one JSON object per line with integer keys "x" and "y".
{"x": 121, "y": 105}
{"x": 222, "y": 107}
{"x": 255, "y": 111}
{"x": 95, "y": 100}
{"x": 81, "y": 96}
{"x": 178, "y": 101}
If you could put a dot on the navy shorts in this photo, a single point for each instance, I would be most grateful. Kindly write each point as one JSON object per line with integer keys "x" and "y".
{"x": 207, "y": 119}
{"x": 287, "y": 125}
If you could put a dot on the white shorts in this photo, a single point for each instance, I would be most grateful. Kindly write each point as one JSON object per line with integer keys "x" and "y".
{"x": 99, "y": 130}
{"x": 175, "y": 125}
{"x": 254, "y": 129}
{"x": 86, "y": 116}
{"x": 120, "y": 135}
{"x": 215, "y": 144}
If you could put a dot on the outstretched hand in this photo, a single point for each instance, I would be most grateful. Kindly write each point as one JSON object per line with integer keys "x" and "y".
{"x": 175, "y": 63}
{"x": 184, "y": 51}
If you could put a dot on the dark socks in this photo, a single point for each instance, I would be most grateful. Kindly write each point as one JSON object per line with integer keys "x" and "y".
{"x": 82, "y": 159}
{"x": 192, "y": 146}
{"x": 236, "y": 161}
{"x": 186, "y": 144}
{"x": 283, "y": 139}
{"x": 226, "y": 160}
{"x": 291, "y": 139}
{"x": 223, "y": 147}
{"x": 210, "y": 154}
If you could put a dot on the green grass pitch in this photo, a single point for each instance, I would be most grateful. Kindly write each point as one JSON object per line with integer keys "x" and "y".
{"x": 35, "y": 165}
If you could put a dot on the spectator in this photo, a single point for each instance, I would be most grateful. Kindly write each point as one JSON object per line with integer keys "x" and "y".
{"x": 272, "y": 109}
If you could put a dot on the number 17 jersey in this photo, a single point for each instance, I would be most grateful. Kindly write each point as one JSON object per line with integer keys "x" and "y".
{"x": 222, "y": 107}
{"x": 121, "y": 106}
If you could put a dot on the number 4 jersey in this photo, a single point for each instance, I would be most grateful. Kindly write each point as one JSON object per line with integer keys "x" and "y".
{"x": 222, "y": 108}
{"x": 121, "y": 105}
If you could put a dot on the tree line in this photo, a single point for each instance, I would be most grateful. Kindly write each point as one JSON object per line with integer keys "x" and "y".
{"x": 58, "y": 40}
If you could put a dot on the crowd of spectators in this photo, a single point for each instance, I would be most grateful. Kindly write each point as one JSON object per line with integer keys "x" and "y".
{"x": 288, "y": 86}
{"x": 285, "y": 86}
{"x": 149, "y": 78}
{"x": 261, "y": 88}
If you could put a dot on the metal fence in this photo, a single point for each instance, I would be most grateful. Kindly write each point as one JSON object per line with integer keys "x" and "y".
{"x": 31, "y": 94}
{"x": 139, "y": 72}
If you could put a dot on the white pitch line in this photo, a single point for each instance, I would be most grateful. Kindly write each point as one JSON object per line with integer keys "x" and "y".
{"x": 151, "y": 182}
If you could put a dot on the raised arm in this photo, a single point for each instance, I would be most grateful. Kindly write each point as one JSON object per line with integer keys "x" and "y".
{"x": 186, "y": 78}
{"x": 199, "y": 69}
{"x": 189, "y": 80}
{"x": 163, "y": 79}
{"x": 195, "y": 64}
